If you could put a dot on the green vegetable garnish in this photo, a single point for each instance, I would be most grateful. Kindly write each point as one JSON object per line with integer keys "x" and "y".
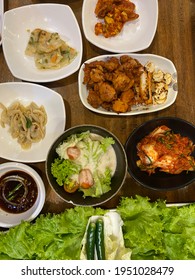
{"x": 28, "y": 122}
{"x": 12, "y": 193}
{"x": 63, "y": 169}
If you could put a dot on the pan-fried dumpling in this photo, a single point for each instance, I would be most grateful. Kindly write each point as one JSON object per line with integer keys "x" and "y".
{"x": 49, "y": 50}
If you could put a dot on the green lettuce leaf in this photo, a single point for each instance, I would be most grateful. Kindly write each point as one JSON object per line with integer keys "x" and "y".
{"x": 154, "y": 231}
{"x": 63, "y": 169}
{"x": 51, "y": 236}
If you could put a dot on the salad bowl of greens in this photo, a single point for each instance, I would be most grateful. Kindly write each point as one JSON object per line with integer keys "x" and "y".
{"x": 86, "y": 165}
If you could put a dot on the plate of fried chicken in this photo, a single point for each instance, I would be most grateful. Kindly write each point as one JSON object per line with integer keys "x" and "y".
{"x": 120, "y": 25}
{"x": 127, "y": 84}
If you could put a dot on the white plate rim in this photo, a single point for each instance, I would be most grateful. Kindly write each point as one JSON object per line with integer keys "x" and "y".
{"x": 1, "y": 19}
{"x": 40, "y": 185}
{"x": 115, "y": 46}
{"x": 42, "y": 79}
{"x": 58, "y": 98}
{"x": 83, "y": 91}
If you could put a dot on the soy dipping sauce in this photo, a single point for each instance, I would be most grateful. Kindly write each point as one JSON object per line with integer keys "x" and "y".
{"x": 18, "y": 192}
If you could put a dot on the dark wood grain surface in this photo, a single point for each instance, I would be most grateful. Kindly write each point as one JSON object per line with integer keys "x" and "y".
{"x": 175, "y": 40}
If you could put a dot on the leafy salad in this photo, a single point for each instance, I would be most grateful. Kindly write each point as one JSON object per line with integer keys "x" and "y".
{"x": 151, "y": 230}
{"x": 86, "y": 163}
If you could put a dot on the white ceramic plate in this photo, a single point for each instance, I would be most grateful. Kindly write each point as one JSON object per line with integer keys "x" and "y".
{"x": 135, "y": 36}
{"x": 51, "y": 17}
{"x": 8, "y": 220}
{"x": 160, "y": 62}
{"x": 54, "y": 106}
{"x": 1, "y": 18}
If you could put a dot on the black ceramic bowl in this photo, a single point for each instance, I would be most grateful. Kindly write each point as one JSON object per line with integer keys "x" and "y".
{"x": 118, "y": 178}
{"x": 159, "y": 180}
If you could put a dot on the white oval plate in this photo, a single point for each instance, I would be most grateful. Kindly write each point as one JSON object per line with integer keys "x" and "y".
{"x": 135, "y": 36}
{"x": 51, "y": 17}
{"x": 1, "y": 19}
{"x": 160, "y": 63}
{"x": 54, "y": 106}
{"x": 8, "y": 220}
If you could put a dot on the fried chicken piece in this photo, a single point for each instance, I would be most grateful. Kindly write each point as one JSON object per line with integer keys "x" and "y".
{"x": 122, "y": 82}
{"x": 127, "y": 8}
{"x": 115, "y": 14}
{"x": 93, "y": 99}
{"x": 103, "y": 7}
{"x": 110, "y": 28}
{"x": 129, "y": 62}
{"x": 107, "y": 92}
{"x": 107, "y": 106}
{"x": 127, "y": 96}
{"x": 97, "y": 75}
{"x": 93, "y": 72}
{"x": 112, "y": 64}
{"x": 119, "y": 106}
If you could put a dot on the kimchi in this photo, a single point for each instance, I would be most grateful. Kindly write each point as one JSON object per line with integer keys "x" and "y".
{"x": 165, "y": 150}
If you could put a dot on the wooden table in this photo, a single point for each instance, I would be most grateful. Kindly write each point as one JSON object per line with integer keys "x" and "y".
{"x": 174, "y": 39}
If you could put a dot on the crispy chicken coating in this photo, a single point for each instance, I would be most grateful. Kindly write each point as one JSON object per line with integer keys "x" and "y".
{"x": 119, "y": 106}
{"x": 107, "y": 92}
{"x": 112, "y": 64}
{"x": 122, "y": 82}
{"x": 93, "y": 99}
{"x": 115, "y": 14}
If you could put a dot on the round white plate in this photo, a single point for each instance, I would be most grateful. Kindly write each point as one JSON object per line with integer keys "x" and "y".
{"x": 135, "y": 36}
{"x": 8, "y": 220}
{"x": 160, "y": 63}
{"x": 53, "y": 103}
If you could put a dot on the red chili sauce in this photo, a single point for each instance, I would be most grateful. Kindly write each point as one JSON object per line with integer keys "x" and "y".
{"x": 18, "y": 191}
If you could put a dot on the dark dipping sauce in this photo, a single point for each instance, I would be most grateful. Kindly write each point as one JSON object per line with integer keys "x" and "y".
{"x": 18, "y": 191}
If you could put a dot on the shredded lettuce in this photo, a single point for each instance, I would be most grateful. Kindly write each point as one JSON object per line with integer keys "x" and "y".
{"x": 102, "y": 184}
{"x": 92, "y": 148}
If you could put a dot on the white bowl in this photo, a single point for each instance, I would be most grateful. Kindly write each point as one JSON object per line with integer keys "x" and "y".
{"x": 50, "y": 17}
{"x": 8, "y": 220}
{"x": 160, "y": 62}
{"x": 135, "y": 36}
{"x": 53, "y": 103}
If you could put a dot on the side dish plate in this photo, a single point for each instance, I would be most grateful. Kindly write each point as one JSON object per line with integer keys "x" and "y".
{"x": 135, "y": 36}
{"x": 53, "y": 103}
{"x": 50, "y": 17}
{"x": 160, "y": 63}
{"x": 8, "y": 220}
